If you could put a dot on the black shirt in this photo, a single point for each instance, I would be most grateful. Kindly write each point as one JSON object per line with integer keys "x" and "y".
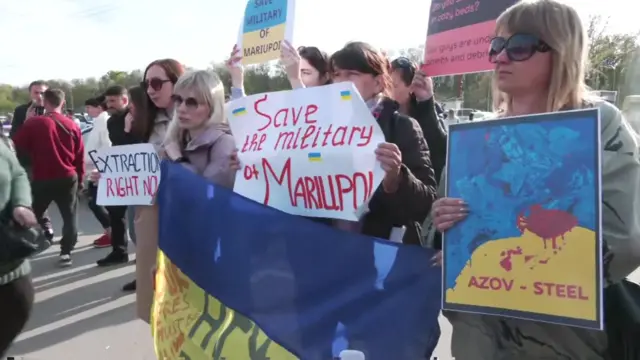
{"x": 117, "y": 135}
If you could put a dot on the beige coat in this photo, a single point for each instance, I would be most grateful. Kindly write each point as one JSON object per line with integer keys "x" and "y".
{"x": 208, "y": 155}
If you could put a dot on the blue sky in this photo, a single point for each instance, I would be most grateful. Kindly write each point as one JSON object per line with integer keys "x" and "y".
{"x": 90, "y": 37}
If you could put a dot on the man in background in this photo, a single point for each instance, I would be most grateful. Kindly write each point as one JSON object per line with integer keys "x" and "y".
{"x": 117, "y": 99}
{"x": 97, "y": 139}
{"x": 54, "y": 144}
{"x": 20, "y": 115}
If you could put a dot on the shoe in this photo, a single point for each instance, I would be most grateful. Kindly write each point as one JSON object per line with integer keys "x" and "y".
{"x": 49, "y": 235}
{"x": 130, "y": 286}
{"x": 114, "y": 258}
{"x": 65, "y": 260}
{"x": 102, "y": 242}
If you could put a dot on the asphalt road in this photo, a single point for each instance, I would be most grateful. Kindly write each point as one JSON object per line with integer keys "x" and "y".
{"x": 80, "y": 312}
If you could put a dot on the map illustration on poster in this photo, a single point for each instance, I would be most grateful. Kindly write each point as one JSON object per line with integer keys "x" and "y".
{"x": 531, "y": 245}
{"x": 459, "y": 35}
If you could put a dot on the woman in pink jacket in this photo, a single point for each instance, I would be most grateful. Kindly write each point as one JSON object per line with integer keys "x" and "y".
{"x": 198, "y": 137}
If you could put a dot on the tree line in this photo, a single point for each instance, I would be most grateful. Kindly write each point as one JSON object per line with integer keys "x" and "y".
{"x": 614, "y": 64}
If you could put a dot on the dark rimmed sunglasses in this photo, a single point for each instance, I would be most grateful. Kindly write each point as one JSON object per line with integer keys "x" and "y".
{"x": 155, "y": 83}
{"x": 518, "y": 47}
{"x": 190, "y": 102}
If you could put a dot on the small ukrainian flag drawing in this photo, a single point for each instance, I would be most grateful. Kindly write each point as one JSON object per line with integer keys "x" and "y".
{"x": 345, "y": 95}
{"x": 315, "y": 157}
{"x": 239, "y": 111}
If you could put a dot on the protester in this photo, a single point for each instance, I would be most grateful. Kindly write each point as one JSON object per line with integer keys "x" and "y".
{"x": 305, "y": 67}
{"x": 117, "y": 99}
{"x": 54, "y": 144}
{"x": 20, "y": 115}
{"x": 97, "y": 139}
{"x": 408, "y": 188}
{"x": 137, "y": 104}
{"x": 16, "y": 288}
{"x": 404, "y": 198}
{"x": 413, "y": 91}
{"x": 540, "y": 53}
{"x": 158, "y": 82}
{"x": 199, "y": 136}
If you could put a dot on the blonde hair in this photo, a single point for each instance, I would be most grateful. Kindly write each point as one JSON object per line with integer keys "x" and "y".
{"x": 207, "y": 88}
{"x": 560, "y": 26}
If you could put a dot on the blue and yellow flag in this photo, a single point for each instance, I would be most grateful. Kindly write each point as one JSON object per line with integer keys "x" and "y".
{"x": 237, "y": 280}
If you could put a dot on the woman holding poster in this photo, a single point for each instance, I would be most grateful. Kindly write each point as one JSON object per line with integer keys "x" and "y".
{"x": 540, "y": 52}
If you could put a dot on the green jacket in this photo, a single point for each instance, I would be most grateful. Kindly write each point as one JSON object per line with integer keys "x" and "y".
{"x": 481, "y": 337}
{"x": 14, "y": 191}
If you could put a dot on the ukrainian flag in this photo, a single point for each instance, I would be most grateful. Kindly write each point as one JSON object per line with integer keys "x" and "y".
{"x": 239, "y": 111}
{"x": 252, "y": 282}
{"x": 315, "y": 157}
{"x": 345, "y": 95}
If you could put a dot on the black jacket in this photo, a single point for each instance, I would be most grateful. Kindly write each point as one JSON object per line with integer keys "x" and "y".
{"x": 117, "y": 135}
{"x": 19, "y": 117}
{"x": 411, "y": 203}
{"x": 426, "y": 115}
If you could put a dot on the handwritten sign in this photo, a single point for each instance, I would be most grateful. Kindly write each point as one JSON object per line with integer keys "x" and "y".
{"x": 130, "y": 174}
{"x": 307, "y": 152}
{"x": 265, "y": 25}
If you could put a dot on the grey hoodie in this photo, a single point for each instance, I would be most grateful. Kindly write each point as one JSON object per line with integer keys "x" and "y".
{"x": 482, "y": 337}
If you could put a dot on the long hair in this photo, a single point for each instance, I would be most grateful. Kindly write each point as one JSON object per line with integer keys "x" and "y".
{"x": 362, "y": 57}
{"x": 559, "y": 26}
{"x": 173, "y": 69}
{"x": 138, "y": 98}
{"x": 318, "y": 59}
{"x": 208, "y": 89}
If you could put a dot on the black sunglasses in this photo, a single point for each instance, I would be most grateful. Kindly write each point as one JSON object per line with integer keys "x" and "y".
{"x": 190, "y": 102}
{"x": 403, "y": 63}
{"x": 519, "y": 47}
{"x": 155, "y": 83}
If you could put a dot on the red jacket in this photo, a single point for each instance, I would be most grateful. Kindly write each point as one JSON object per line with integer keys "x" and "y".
{"x": 54, "y": 152}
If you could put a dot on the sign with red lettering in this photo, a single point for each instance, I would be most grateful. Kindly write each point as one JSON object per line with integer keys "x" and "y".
{"x": 130, "y": 174}
{"x": 308, "y": 152}
{"x": 459, "y": 35}
{"x": 531, "y": 245}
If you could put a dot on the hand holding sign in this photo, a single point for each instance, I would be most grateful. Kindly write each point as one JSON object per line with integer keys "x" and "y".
{"x": 390, "y": 159}
{"x": 235, "y": 68}
{"x": 291, "y": 60}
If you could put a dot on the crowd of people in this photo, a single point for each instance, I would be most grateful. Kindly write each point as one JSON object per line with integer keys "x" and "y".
{"x": 539, "y": 51}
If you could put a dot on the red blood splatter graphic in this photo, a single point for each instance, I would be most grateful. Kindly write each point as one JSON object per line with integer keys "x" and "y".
{"x": 548, "y": 224}
{"x": 506, "y": 262}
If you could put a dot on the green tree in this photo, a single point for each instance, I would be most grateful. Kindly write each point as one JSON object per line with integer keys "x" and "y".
{"x": 612, "y": 58}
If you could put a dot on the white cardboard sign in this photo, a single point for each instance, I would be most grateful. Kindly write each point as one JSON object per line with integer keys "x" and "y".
{"x": 129, "y": 174}
{"x": 307, "y": 152}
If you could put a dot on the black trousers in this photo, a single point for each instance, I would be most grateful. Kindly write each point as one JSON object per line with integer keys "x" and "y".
{"x": 16, "y": 301}
{"x": 98, "y": 211}
{"x": 118, "y": 220}
{"x": 64, "y": 192}
{"x": 44, "y": 220}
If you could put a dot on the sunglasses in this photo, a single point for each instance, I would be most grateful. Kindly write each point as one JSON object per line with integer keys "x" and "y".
{"x": 518, "y": 47}
{"x": 155, "y": 83}
{"x": 190, "y": 102}
{"x": 402, "y": 62}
